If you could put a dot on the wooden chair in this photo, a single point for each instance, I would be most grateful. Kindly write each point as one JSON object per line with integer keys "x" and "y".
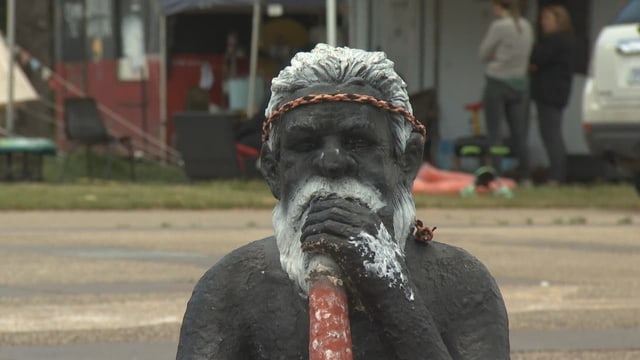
{"x": 84, "y": 127}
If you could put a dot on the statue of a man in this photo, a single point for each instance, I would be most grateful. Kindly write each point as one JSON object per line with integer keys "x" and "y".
{"x": 340, "y": 152}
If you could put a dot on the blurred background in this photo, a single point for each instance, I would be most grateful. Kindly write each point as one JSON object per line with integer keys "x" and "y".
{"x": 157, "y": 69}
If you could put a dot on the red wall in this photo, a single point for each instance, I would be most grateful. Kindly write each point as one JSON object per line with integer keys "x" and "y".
{"x": 184, "y": 73}
{"x": 100, "y": 81}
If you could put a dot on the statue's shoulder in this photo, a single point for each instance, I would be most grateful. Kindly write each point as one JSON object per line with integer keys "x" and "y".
{"x": 448, "y": 267}
{"x": 227, "y": 298}
{"x": 463, "y": 297}
{"x": 256, "y": 254}
{"x": 239, "y": 269}
{"x": 443, "y": 255}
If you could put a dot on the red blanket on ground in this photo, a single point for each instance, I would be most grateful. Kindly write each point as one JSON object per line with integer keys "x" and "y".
{"x": 431, "y": 180}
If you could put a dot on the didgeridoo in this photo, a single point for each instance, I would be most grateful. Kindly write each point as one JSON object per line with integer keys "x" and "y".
{"x": 329, "y": 329}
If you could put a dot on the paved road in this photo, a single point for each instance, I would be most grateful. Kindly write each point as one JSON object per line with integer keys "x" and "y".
{"x": 98, "y": 285}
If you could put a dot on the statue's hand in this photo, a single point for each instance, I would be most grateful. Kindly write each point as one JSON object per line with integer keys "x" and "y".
{"x": 375, "y": 273}
{"x": 356, "y": 238}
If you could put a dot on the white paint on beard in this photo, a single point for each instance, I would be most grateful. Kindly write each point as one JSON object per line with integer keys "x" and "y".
{"x": 288, "y": 221}
{"x": 385, "y": 255}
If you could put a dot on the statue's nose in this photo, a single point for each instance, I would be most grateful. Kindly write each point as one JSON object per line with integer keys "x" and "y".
{"x": 333, "y": 162}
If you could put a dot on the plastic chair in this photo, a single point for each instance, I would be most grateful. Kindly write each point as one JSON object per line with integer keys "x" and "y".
{"x": 84, "y": 127}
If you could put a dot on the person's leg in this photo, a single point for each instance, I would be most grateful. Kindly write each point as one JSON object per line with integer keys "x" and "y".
{"x": 493, "y": 102}
{"x": 550, "y": 126}
{"x": 518, "y": 121}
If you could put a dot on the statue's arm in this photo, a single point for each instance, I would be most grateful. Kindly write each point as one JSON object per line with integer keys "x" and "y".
{"x": 376, "y": 275}
{"x": 405, "y": 323}
{"x": 456, "y": 311}
{"x": 483, "y": 331}
{"x": 476, "y": 324}
{"x": 413, "y": 296}
{"x": 210, "y": 328}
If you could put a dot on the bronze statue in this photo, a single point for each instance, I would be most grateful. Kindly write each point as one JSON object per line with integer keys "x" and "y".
{"x": 340, "y": 152}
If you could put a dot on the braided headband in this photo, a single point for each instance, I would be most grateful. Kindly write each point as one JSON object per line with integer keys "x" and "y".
{"x": 357, "y": 98}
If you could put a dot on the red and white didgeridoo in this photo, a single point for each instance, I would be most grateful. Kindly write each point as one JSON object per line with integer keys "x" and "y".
{"x": 329, "y": 329}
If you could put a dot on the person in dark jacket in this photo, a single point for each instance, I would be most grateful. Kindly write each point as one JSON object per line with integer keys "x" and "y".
{"x": 551, "y": 76}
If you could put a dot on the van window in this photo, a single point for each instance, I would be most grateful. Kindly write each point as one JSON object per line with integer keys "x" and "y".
{"x": 629, "y": 14}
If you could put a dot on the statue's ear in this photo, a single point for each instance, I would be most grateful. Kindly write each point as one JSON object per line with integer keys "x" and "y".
{"x": 270, "y": 170}
{"x": 412, "y": 157}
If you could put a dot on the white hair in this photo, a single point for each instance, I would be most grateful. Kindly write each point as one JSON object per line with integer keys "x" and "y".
{"x": 342, "y": 66}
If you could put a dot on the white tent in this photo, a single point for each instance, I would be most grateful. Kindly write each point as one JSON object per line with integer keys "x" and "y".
{"x": 14, "y": 86}
{"x": 22, "y": 89}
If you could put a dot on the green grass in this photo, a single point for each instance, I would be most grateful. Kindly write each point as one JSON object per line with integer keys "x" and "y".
{"x": 255, "y": 194}
{"x": 76, "y": 170}
{"x": 166, "y": 187}
{"x": 120, "y": 195}
{"x": 604, "y": 196}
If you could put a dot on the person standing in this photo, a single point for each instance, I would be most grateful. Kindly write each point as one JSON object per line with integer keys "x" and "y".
{"x": 505, "y": 50}
{"x": 551, "y": 76}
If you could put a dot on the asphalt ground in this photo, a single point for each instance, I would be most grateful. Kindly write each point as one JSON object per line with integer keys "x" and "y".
{"x": 105, "y": 285}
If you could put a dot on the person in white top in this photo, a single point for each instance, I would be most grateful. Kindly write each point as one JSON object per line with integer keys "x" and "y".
{"x": 505, "y": 50}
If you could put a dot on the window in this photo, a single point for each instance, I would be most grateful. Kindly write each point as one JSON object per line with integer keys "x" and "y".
{"x": 629, "y": 14}
{"x": 131, "y": 30}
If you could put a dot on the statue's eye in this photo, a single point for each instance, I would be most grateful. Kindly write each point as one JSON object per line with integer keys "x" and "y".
{"x": 357, "y": 142}
{"x": 304, "y": 145}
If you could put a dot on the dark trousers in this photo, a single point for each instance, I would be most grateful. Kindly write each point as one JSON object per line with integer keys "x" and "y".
{"x": 504, "y": 103}
{"x": 550, "y": 127}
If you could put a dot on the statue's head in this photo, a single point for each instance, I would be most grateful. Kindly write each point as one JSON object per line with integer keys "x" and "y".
{"x": 339, "y": 122}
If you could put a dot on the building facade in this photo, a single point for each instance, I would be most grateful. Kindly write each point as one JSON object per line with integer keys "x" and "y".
{"x": 124, "y": 53}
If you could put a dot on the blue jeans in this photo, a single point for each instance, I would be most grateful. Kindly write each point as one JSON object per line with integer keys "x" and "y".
{"x": 504, "y": 103}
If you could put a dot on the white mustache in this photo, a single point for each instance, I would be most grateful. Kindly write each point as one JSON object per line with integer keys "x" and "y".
{"x": 318, "y": 187}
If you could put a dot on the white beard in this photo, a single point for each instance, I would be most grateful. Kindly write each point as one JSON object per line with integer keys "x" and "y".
{"x": 288, "y": 221}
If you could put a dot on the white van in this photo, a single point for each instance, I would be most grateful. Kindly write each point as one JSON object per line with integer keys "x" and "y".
{"x": 611, "y": 97}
